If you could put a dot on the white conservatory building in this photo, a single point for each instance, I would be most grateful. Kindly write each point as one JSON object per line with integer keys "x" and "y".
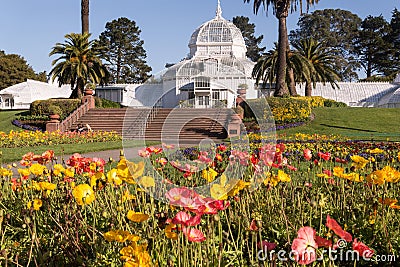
{"x": 217, "y": 67}
{"x": 210, "y": 76}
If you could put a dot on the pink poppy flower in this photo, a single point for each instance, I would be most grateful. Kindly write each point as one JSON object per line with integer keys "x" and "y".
{"x": 144, "y": 153}
{"x": 193, "y": 234}
{"x": 307, "y": 154}
{"x": 337, "y": 229}
{"x": 304, "y": 246}
{"x": 185, "y": 219}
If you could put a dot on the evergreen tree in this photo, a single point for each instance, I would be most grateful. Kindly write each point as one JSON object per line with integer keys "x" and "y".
{"x": 394, "y": 40}
{"x": 372, "y": 46}
{"x": 125, "y": 53}
{"x": 14, "y": 69}
{"x": 252, "y": 42}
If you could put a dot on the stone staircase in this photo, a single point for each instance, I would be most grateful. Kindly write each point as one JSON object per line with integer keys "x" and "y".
{"x": 186, "y": 124}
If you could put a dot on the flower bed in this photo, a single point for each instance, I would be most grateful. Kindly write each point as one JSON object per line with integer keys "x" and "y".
{"x": 301, "y": 198}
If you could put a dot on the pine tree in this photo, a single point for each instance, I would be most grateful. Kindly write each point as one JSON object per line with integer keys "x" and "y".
{"x": 124, "y": 52}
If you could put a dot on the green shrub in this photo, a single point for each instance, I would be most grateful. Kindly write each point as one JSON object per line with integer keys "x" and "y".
{"x": 284, "y": 110}
{"x": 54, "y": 109}
{"x": 67, "y": 106}
{"x": 333, "y": 103}
{"x": 105, "y": 103}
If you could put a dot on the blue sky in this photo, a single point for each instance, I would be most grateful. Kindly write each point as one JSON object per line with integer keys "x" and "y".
{"x": 31, "y": 28}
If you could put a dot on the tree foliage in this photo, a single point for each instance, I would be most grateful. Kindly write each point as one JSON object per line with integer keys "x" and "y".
{"x": 321, "y": 63}
{"x": 336, "y": 28}
{"x": 310, "y": 62}
{"x": 79, "y": 62}
{"x": 254, "y": 50}
{"x": 125, "y": 53}
{"x": 394, "y": 41}
{"x": 14, "y": 69}
{"x": 372, "y": 45}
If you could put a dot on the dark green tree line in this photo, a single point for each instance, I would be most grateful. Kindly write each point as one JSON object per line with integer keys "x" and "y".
{"x": 14, "y": 69}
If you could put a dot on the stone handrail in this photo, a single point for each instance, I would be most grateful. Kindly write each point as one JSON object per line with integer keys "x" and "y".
{"x": 66, "y": 124}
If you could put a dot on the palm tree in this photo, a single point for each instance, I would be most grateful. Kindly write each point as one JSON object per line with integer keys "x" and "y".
{"x": 281, "y": 10}
{"x": 321, "y": 61}
{"x": 85, "y": 16}
{"x": 298, "y": 69}
{"x": 78, "y": 64}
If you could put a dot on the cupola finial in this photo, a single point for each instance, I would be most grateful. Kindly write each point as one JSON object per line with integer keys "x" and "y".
{"x": 219, "y": 10}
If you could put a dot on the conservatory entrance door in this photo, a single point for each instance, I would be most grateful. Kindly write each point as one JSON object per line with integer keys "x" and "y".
{"x": 202, "y": 101}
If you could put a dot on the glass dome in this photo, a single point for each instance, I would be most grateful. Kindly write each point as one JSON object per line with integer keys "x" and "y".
{"x": 217, "y": 38}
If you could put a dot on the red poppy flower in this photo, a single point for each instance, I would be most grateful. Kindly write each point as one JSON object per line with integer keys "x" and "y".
{"x": 337, "y": 229}
{"x": 324, "y": 156}
{"x": 322, "y": 242}
{"x": 362, "y": 249}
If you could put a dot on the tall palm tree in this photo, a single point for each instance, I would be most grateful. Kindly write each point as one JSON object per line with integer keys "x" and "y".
{"x": 298, "y": 68}
{"x": 85, "y": 16}
{"x": 321, "y": 61}
{"x": 78, "y": 63}
{"x": 281, "y": 10}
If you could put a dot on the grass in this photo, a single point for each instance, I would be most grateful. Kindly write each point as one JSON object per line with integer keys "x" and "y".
{"x": 355, "y": 123}
{"x": 15, "y": 154}
{"x": 6, "y": 117}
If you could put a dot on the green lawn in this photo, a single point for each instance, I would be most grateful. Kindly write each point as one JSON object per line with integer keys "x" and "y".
{"x": 6, "y": 118}
{"x": 355, "y": 123}
{"x": 15, "y": 154}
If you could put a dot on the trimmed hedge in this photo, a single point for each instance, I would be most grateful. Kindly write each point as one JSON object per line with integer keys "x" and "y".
{"x": 104, "y": 103}
{"x": 41, "y": 107}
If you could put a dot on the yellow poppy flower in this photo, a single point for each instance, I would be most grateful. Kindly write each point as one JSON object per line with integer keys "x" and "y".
{"x": 283, "y": 177}
{"x": 58, "y": 169}
{"x": 120, "y": 236}
{"x": 83, "y": 194}
{"x": 113, "y": 178}
{"x": 127, "y": 196}
{"x": 218, "y": 192}
{"x": 137, "y": 216}
{"x": 377, "y": 177}
{"x": 70, "y": 172}
{"x": 24, "y": 172}
{"x": 375, "y": 151}
{"x": 392, "y": 175}
{"x": 238, "y": 186}
{"x": 37, "y": 203}
{"x": 209, "y": 174}
{"x": 5, "y": 172}
{"x": 37, "y": 169}
{"x": 358, "y": 162}
{"x": 147, "y": 181}
{"x": 169, "y": 233}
